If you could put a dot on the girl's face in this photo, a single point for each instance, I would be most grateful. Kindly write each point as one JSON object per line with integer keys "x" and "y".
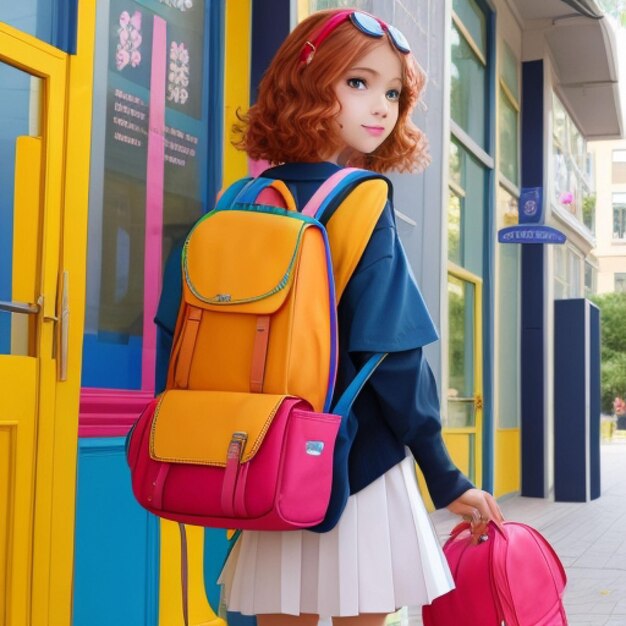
{"x": 369, "y": 95}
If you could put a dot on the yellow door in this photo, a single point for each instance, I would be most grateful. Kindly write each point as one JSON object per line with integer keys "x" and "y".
{"x": 42, "y": 247}
{"x": 462, "y": 419}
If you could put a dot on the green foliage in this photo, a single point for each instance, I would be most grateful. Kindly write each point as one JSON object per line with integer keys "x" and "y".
{"x": 613, "y": 308}
{"x": 613, "y": 313}
{"x": 589, "y": 211}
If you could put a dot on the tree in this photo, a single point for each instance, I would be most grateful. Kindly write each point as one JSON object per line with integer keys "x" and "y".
{"x": 613, "y": 315}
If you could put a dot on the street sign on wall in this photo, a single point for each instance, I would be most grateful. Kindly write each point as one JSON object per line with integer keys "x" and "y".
{"x": 531, "y": 233}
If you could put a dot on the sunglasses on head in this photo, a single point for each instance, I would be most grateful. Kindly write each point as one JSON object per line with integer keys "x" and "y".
{"x": 368, "y": 24}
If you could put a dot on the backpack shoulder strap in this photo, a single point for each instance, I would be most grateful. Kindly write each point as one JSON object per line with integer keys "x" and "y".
{"x": 270, "y": 191}
{"x": 227, "y": 196}
{"x": 362, "y": 196}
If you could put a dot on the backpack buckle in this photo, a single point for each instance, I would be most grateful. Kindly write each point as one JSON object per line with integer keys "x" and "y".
{"x": 236, "y": 446}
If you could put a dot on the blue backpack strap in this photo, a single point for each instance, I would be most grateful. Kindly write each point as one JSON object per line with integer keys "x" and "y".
{"x": 230, "y": 193}
{"x": 248, "y": 193}
{"x": 345, "y": 402}
{"x": 252, "y": 193}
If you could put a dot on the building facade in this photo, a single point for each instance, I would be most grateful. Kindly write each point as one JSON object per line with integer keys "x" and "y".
{"x": 610, "y": 184}
{"x": 108, "y": 158}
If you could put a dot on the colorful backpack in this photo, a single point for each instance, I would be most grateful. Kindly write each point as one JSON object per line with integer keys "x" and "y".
{"x": 243, "y": 436}
{"x": 508, "y": 576}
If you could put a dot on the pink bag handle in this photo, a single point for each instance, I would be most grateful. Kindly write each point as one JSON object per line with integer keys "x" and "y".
{"x": 476, "y": 531}
{"x": 324, "y": 190}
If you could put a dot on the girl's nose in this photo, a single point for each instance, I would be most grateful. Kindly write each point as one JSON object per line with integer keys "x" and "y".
{"x": 380, "y": 106}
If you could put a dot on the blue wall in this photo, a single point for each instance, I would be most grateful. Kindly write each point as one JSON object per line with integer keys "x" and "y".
{"x": 116, "y": 575}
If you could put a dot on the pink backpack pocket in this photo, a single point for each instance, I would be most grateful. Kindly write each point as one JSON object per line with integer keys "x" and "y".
{"x": 211, "y": 459}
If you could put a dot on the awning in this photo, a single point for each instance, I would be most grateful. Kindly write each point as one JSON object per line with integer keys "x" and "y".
{"x": 584, "y": 48}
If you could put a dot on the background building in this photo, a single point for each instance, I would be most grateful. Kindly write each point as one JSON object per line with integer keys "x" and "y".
{"x": 107, "y": 159}
{"x": 610, "y": 204}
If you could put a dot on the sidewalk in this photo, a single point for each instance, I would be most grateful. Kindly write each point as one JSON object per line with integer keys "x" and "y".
{"x": 590, "y": 539}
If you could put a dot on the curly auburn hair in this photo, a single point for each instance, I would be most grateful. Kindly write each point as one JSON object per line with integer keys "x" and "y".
{"x": 293, "y": 119}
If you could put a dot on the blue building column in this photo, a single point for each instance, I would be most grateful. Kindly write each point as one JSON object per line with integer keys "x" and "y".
{"x": 270, "y": 27}
{"x": 532, "y": 293}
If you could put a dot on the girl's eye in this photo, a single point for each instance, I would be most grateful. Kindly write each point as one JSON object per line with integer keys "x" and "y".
{"x": 393, "y": 95}
{"x": 357, "y": 83}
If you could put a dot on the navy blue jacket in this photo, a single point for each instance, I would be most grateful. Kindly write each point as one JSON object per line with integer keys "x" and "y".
{"x": 381, "y": 310}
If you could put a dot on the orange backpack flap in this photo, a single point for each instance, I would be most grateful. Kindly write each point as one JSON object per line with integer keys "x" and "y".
{"x": 196, "y": 427}
{"x": 243, "y": 266}
{"x": 242, "y": 260}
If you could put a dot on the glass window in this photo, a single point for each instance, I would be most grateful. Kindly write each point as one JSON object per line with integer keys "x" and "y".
{"x": 589, "y": 212}
{"x": 508, "y": 312}
{"x": 619, "y": 167}
{"x": 455, "y": 227}
{"x": 591, "y": 277}
{"x": 461, "y": 301}
{"x": 619, "y": 216}
{"x": 508, "y": 123}
{"x": 559, "y": 124}
{"x": 149, "y": 181}
{"x": 473, "y": 18}
{"x": 508, "y": 209}
{"x": 574, "y": 270}
{"x": 466, "y": 214}
{"x": 455, "y": 163}
{"x": 30, "y": 16}
{"x": 620, "y": 282}
{"x": 573, "y": 167}
{"x": 51, "y": 21}
{"x": 509, "y": 69}
{"x": 560, "y": 272}
{"x": 468, "y": 105}
{"x": 20, "y": 113}
{"x": 568, "y": 269}
{"x": 509, "y": 164}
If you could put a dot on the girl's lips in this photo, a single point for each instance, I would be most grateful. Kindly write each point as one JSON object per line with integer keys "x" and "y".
{"x": 374, "y": 130}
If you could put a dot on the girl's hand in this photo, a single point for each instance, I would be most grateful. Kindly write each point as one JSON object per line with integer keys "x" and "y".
{"x": 477, "y": 506}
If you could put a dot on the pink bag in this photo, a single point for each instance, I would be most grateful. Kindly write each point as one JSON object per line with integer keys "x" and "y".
{"x": 508, "y": 576}
{"x": 190, "y": 462}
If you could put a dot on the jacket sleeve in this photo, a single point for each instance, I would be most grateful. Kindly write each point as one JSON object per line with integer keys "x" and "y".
{"x": 406, "y": 390}
{"x": 383, "y": 311}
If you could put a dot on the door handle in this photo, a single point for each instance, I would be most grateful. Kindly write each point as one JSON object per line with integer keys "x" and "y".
{"x": 64, "y": 319}
{"x": 19, "y": 307}
{"x": 64, "y": 326}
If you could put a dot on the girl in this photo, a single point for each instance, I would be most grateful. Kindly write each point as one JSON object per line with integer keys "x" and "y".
{"x": 339, "y": 92}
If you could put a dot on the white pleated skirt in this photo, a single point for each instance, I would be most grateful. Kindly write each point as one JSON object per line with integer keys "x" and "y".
{"x": 382, "y": 555}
